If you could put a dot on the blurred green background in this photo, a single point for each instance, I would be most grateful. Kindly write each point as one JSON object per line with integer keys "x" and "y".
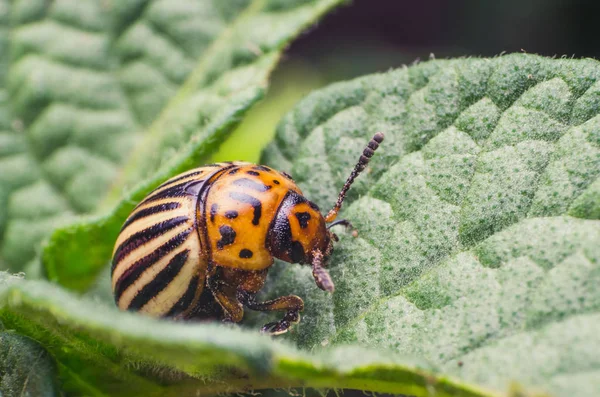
{"x": 369, "y": 36}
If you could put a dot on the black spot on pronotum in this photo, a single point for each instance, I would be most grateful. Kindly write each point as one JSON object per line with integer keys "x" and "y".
{"x": 288, "y": 176}
{"x": 234, "y": 171}
{"x": 231, "y": 214}
{"x": 303, "y": 218}
{"x": 227, "y": 236}
{"x": 250, "y": 184}
{"x": 262, "y": 168}
{"x": 275, "y": 181}
{"x": 246, "y": 253}
{"x": 213, "y": 212}
{"x": 245, "y": 198}
{"x": 297, "y": 252}
{"x": 253, "y": 173}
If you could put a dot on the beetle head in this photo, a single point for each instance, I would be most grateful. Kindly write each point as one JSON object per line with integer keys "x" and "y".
{"x": 297, "y": 230}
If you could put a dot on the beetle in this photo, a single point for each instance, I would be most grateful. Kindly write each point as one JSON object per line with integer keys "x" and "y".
{"x": 200, "y": 245}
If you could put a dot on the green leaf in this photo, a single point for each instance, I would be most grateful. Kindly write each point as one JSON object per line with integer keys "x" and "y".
{"x": 119, "y": 95}
{"x": 477, "y": 251}
{"x": 106, "y": 352}
{"x": 26, "y": 369}
{"x": 470, "y": 254}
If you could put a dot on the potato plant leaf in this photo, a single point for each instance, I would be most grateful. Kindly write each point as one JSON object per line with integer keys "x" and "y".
{"x": 474, "y": 271}
{"x": 478, "y": 218}
{"x": 115, "y": 96}
{"x": 102, "y": 351}
{"x": 26, "y": 368}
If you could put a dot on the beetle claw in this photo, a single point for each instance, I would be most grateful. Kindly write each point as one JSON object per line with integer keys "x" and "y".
{"x": 282, "y": 326}
{"x": 343, "y": 222}
{"x": 276, "y": 328}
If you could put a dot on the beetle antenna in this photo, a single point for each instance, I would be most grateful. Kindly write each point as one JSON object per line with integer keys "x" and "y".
{"x": 358, "y": 168}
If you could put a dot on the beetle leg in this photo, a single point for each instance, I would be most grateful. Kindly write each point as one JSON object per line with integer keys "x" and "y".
{"x": 292, "y": 304}
{"x": 233, "y": 310}
{"x": 344, "y": 222}
{"x": 226, "y": 297}
{"x": 321, "y": 276}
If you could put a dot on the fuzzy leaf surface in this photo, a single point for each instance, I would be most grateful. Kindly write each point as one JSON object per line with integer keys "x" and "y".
{"x": 477, "y": 218}
{"x": 26, "y": 368}
{"x": 103, "y": 351}
{"x": 477, "y": 251}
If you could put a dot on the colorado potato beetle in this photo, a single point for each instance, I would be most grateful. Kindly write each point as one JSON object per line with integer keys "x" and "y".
{"x": 200, "y": 245}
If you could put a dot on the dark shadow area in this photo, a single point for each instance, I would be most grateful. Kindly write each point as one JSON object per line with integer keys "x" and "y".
{"x": 375, "y": 35}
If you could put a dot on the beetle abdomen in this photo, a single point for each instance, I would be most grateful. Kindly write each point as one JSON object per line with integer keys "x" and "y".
{"x": 158, "y": 264}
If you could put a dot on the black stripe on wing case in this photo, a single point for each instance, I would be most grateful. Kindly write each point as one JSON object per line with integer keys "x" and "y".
{"x": 244, "y": 198}
{"x": 160, "y": 281}
{"x": 177, "y": 190}
{"x": 183, "y": 176}
{"x": 150, "y": 211}
{"x": 144, "y": 236}
{"x": 186, "y": 299}
{"x": 134, "y": 271}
